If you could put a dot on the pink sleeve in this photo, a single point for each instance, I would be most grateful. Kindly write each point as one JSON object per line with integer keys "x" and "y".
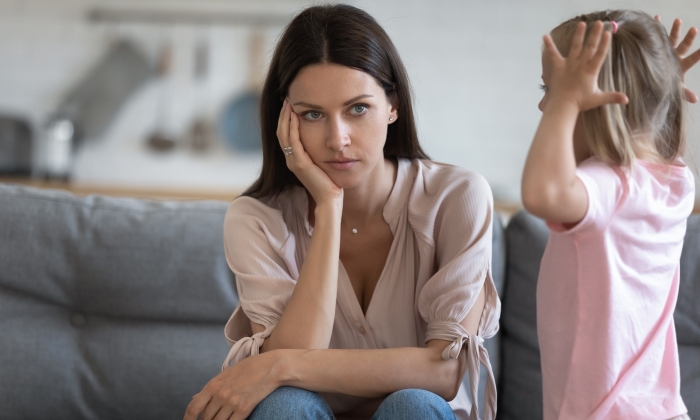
{"x": 606, "y": 189}
{"x": 256, "y": 242}
{"x": 463, "y": 224}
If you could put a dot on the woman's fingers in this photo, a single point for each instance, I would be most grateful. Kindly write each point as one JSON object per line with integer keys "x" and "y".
{"x": 283, "y": 125}
{"x": 212, "y": 409}
{"x": 224, "y": 413}
{"x": 197, "y": 405}
{"x": 294, "y": 140}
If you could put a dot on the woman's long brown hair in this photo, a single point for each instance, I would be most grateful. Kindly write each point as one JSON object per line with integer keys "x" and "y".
{"x": 337, "y": 34}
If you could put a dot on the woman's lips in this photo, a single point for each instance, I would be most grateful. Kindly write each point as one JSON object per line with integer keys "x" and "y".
{"x": 343, "y": 165}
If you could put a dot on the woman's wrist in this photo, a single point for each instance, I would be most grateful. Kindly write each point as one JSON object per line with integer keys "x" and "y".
{"x": 331, "y": 210}
{"x": 286, "y": 366}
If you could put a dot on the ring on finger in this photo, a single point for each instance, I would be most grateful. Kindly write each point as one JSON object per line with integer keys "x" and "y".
{"x": 287, "y": 151}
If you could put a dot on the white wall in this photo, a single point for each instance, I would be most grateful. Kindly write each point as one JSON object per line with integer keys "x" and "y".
{"x": 475, "y": 68}
{"x": 474, "y": 65}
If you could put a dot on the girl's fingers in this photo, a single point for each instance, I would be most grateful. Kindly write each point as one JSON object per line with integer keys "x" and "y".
{"x": 687, "y": 42}
{"x": 593, "y": 40}
{"x": 607, "y": 98}
{"x": 690, "y": 61}
{"x": 690, "y": 96}
{"x": 551, "y": 49}
{"x": 602, "y": 52}
{"x": 675, "y": 32}
{"x": 577, "y": 41}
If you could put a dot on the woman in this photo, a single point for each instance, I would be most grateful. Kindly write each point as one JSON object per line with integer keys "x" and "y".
{"x": 363, "y": 268}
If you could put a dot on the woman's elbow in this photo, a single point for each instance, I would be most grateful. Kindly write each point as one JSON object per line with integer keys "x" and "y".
{"x": 450, "y": 387}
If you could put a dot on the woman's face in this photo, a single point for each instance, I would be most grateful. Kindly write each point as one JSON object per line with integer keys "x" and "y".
{"x": 343, "y": 119}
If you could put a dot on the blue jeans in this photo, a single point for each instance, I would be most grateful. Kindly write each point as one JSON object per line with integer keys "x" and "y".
{"x": 289, "y": 403}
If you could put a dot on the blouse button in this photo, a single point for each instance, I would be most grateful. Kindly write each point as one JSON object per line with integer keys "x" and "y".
{"x": 362, "y": 330}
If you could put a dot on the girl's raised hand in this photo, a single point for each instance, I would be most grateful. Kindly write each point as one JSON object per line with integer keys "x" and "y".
{"x": 316, "y": 181}
{"x": 682, "y": 48}
{"x": 575, "y": 78}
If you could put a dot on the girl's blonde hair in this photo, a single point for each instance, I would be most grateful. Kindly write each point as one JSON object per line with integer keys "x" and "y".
{"x": 642, "y": 64}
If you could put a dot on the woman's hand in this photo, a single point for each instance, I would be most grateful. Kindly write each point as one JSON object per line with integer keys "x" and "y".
{"x": 574, "y": 79}
{"x": 686, "y": 61}
{"x": 316, "y": 181}
{"x": 236, "y": 391}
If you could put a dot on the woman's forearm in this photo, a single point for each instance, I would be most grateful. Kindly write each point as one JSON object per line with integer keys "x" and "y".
{"x": 307, "y": 321}
{"x": 372, "y": 373}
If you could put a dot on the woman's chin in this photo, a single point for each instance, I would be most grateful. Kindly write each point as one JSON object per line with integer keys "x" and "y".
{"x": 346, "y": 181}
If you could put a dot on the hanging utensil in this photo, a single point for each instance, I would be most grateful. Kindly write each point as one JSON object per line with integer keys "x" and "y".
{"x": 240, "y": 120}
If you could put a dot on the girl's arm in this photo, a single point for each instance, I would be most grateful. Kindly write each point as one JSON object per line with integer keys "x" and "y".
{"x": 550, "y": 188}
{"x": 236, "y": 391}
{"x": 307, "y": 320}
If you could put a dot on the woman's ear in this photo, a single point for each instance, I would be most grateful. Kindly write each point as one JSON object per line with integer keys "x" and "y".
{"x": 394, "y": 102}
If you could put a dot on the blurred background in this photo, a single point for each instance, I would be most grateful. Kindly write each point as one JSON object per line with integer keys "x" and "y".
{"x": 158, "y": 98}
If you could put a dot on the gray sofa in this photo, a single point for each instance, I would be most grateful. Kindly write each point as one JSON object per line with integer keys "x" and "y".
{"x": 114, "y": 308}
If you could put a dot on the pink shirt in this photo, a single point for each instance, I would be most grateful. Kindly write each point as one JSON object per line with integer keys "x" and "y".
{"x": 606, "y": 294}
{"x": 441, "y": 219}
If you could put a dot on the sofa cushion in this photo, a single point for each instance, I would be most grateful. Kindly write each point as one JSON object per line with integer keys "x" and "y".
{"x": 520, "y": 385}
{"x": 109, "y": 308}
{"x": 687, "y": 318}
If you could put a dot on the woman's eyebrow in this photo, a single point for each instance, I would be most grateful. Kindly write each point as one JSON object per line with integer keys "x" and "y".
{"x": 312, "y": 106}
{"x": 307, "y": 105}
{"x": 357, "y": 98}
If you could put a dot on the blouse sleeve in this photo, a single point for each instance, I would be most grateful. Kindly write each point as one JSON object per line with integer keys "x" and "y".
{"x": 463, "y": 237}
{"x": 257, "y": 246}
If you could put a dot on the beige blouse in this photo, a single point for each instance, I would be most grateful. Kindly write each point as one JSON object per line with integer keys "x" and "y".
{"x": 441, "y": 219}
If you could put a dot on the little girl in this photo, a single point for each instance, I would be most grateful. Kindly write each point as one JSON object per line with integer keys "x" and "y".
{"x": 605, "y": 171}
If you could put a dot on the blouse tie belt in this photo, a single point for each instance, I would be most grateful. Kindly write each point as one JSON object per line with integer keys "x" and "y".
{"x": 476, "y": 354}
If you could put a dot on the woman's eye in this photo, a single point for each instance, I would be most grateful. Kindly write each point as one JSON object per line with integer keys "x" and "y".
{"x": 358, "y": 109}
{"x": 543, "y": 88}
{"x": 312, "y": 115}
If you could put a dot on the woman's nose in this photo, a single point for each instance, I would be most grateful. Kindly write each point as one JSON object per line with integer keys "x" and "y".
{"x": 338, "y": 136}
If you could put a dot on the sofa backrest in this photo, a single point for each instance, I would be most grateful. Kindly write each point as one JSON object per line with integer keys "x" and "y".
{"x": 520, "y": 385}
{"x": 109, "y": 308}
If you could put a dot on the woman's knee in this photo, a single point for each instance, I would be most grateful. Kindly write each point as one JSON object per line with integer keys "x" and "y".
{"x": 414, "y": 404}
{"x": 292, "y": 403}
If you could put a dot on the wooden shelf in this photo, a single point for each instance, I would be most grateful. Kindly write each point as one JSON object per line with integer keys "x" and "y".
{"x": 185, "y": 194}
